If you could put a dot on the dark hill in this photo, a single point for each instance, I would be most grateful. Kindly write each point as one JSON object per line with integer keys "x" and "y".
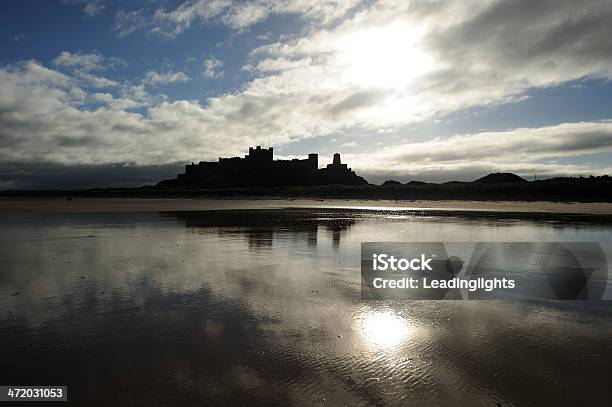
{"x": 500, "y": 178}
{"x": 566, "y": 189}
{"x": 390, "y": 182}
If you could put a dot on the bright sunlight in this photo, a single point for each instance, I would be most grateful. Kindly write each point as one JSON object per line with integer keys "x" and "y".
{"x": 384, "y": 329}
{"x": 387, "y": 57}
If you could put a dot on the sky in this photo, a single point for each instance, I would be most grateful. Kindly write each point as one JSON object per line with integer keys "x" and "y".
{"x": 115, "y": 93}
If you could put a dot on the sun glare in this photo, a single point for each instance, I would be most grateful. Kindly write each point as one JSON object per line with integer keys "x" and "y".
{"x": 386, "y": 57}
{"x": 384, "y": 329}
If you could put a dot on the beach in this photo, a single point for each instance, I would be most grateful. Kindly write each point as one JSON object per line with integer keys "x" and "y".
{"x": 258, "y": 302}
{"x": 61, "y": 205}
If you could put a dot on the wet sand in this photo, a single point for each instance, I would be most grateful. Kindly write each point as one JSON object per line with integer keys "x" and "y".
{"x": 97, "y": 205}
{"x": 263, "y": 308}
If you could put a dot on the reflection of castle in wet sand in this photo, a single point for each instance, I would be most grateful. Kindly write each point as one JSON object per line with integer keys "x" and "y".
{"x": 262, "y": 230}
{"x": 259, "y": 168}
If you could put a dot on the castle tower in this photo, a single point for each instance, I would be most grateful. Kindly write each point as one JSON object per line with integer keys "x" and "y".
{"x": 260, "y": 155}
{"x": 337, "y": 159}
{"x": 337, "y": 165}
{"x": 313, "y": 162}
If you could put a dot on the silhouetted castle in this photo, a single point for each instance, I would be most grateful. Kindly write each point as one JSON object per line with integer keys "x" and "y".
{"x": 259, "y": 168}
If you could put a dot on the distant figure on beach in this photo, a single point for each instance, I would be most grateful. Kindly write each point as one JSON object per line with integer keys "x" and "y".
{"x": 396, "y": 199}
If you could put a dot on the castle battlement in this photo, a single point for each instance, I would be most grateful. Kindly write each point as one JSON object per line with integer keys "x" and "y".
{"x": 258, "y": 168}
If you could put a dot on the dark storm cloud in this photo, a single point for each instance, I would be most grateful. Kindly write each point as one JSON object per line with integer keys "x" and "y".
{"x": 64, "y": 141}
{"x": 48, "y": 175}
{"x": 527, "y": 28}
{"x": 9, "y": 140}
{"x": 546, "y": 38}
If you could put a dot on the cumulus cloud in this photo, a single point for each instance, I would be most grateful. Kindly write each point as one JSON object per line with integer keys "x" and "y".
{"x": 43, "y": 119}
{"x": 103, "y": 97}
{"x": 396, "y": 63}
{"x": 42, "y": 123}
{"x": 384, "y": 65}
{"x": 393, "y": 63}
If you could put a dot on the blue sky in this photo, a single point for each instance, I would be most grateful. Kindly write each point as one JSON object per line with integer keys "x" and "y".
{"x": 122, "y": 93}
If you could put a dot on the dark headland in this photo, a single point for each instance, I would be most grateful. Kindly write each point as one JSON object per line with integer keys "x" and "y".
{"x": 257, "y": 174}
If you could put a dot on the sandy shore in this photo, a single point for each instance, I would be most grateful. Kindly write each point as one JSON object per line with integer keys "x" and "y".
{"x": 84, "y": 205}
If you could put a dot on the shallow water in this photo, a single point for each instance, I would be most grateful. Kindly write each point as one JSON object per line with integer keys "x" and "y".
{"x": 264, "y": 307}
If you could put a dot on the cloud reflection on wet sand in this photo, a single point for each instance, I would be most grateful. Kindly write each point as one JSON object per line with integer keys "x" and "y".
{"x": 264, "y": 308}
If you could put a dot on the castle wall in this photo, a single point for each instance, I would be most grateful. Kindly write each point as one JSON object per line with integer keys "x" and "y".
{"x": 259, "y": 168}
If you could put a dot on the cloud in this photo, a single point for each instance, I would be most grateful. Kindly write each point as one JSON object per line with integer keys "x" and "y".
{"x": 389, "y": 64}
{"x": 82, "y": 65}
{"x": 41, "y": 121}
{"x": 264, "y": 36}
{"x": 93, "y": 8}
{"x": 169, "y": 23}
{"x": 86, "y": 62}
{"x": 526, "y": 151}
{"x": 397, "y": 63}
{"x": 90, "y": 8}
{"x": 127, "y": 22}
{"x": 154, "y": 78}
{"x": 47, "y": 116}
{"x": 212, "y": 68}
{"x": 103, "y": 97}
{"x": 379, "y": 67}
{"x": 52, "y": 175}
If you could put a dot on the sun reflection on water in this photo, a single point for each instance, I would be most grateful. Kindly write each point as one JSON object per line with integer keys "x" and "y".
{"x": 384, "y": 329}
